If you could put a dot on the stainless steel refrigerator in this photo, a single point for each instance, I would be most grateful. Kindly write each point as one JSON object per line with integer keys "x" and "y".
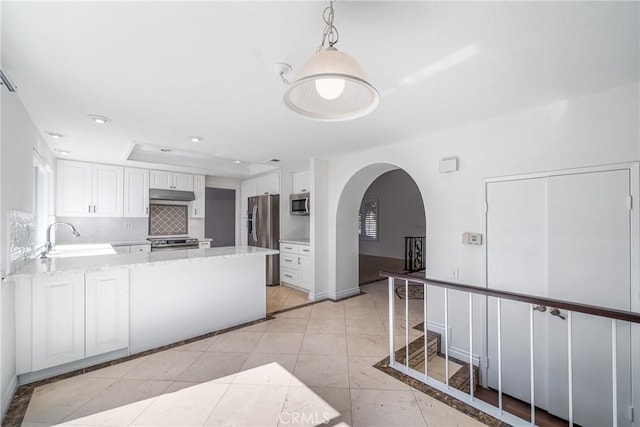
{"x": 264, "y": 230}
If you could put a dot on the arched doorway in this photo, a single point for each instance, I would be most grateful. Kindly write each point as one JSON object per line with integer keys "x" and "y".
{"x": 347, "y": 241}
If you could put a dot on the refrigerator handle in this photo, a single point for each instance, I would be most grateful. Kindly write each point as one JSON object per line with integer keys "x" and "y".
{"x": 306, "y": 205}
{"x": 253, "y": 224}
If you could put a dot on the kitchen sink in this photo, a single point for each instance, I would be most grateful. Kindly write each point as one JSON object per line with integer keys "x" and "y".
{"x": 87, "y": 249}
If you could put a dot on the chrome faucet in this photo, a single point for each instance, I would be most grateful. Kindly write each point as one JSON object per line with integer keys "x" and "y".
{"x": 47, "y": 244}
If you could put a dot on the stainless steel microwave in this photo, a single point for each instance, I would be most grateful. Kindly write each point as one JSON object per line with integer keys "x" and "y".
{"x": 299, "y": 204}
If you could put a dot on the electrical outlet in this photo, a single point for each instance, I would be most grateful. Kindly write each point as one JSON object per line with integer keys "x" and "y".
{"x": 455, "y": 273}
{"x": 128, "y": 225}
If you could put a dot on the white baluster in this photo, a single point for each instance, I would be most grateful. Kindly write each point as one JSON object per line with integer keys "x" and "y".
{"x": 406, "y": 321}
{"x": 614, "y": 370}
{"x": 499, "y": 355}
{"x": 446, "y": 336}
{"x": 533, "y": 373}
{"x": 570, "y": 367}
{"x": 391, "y": 323}
{"x": 426, "y": 340}
{"x": 471, "y": 344}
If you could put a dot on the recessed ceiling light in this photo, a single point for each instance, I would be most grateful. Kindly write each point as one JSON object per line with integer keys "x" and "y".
{"x": 55, "y": 135}
{"x": 196, "y": 138}
{"x": 237, "y": 162}
{"x": 63, "y": 152}
{"x": 99, "y": 119}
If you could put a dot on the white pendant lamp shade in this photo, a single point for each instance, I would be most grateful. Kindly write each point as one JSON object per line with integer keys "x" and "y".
{"x": 331, "y": 86}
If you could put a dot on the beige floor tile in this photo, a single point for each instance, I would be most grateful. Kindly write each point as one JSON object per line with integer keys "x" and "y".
{"x": 249, "y": 405}
{"x": 304, "y": 407}
{"x": 321, "y": 371}
{"x": 437, "y": 414}
{"x": 279, "y": 342}
{"x": 339, "y": 399}
{"x": 385, "y": 408}
{"x": 327, "y": 325}
{"x": 324, "y": 344}
{"x": 360, "y": 311}
{"x": 189, "y": 406}
{"x": 54, "y": 402}
{"x": 258, "y": 327}
{"x": 362, "y": 374}
{"x": 117, "y": 371}
{"x": 436, "y": 367}
{"x": 287, "y": 361}
{"x": 236, "y": 342}
{"x": 327, "y": 309}
{"x": 368, "y": 345}
{"x": 266, "y": 374}
{"x": 212, "y": 365}
{"x": 200, "y": 345}
{"x": 34, "y": 424}
{"x": 119, "y": 404}
{"x": 164, "y": 366}
{"x": 365, "y": 325}
{"x": 288, "y": 324}
{"x": 299, "y": 312}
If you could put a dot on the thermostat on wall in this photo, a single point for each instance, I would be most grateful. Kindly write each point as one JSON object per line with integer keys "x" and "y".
{"x": 448, "y": 165}
{"x": 472, "y": 238}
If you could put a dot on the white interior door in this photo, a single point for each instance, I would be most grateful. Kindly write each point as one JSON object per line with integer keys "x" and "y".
{"x": 516, "y": 262}
{"x": 589, "y": 262}
{"x": 567, "y": 237}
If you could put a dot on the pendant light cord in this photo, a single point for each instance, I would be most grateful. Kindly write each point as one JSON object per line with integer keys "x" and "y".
{"x": 330, "y": 34}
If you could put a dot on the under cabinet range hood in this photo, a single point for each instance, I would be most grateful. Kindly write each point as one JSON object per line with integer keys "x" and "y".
{"x": 175, "y": 195}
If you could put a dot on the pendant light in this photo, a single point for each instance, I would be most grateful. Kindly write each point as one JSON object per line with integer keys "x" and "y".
{"x": 331, "y": 85}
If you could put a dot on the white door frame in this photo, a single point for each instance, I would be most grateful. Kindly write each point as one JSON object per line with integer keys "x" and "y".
{"x": 634, "y": 186}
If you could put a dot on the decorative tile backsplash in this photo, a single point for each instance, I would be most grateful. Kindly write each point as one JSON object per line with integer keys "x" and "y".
{"x": 167, "y": 220}
{"x": 22, "y": 238}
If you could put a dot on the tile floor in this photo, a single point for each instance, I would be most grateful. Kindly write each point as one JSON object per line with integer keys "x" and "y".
{"x": 305, "y": 367}
{"x": 282, "y": 297}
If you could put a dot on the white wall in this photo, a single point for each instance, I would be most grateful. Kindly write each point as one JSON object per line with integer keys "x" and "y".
{"x": 400, "y": 214}
{"x": 19, "y": 138}
{"x": 599, "y": 129}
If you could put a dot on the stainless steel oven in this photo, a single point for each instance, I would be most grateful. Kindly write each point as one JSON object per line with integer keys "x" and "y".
{"x": 173, "y": 243}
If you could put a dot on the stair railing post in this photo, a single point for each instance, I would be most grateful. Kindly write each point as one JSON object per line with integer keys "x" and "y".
{"x": 391, "y": 323}
{"x": 471, "y": 344}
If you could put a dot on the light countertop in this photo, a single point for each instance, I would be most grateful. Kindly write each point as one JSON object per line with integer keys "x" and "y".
{"x": 296, "y": 241}
{"x": 131, "y": 243}
{"x": 52, "y": 266}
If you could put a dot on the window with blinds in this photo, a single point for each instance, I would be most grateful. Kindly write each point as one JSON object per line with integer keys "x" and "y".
{"x": 368, "y": 220}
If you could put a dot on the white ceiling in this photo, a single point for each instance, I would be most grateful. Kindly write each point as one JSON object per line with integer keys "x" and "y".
{"x": 164, "y": 71}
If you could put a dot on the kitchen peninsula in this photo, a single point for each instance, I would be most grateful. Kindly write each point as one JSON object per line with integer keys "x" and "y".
{"x": 80, "y": 311}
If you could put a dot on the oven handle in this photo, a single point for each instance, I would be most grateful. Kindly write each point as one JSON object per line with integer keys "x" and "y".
{"x": 253, "y": 224}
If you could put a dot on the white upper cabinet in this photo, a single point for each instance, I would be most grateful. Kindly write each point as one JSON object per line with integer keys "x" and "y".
{"x": 161, "y": 180}
{"x": 136, "y": 192}
{"x": 182, "y": 181}
{"x": 197, "y": 206}
{"x": 74, "y": 189}
{"x": 300, "y": 182}
{"x": 108, "y": 190}
{"x": 164, "y": 180}
{"x": 268, "y": 184}
{"x": 85, "y": 189}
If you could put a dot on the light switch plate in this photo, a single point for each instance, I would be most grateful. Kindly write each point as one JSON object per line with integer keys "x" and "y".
{"x": 471, "y": 238}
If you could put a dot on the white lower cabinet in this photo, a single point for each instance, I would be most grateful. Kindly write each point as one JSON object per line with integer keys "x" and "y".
{"x": 296, "y": 266}
{"x": 106, "y": 311}
{"x": 58, "y": 320}
{"x": 72, "y": 317}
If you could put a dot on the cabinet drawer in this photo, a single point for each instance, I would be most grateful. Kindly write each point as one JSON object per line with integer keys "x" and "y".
{"x": 204, "y": 245}
{"x": 288, "y": 261}
{"x": 122, "y": 249}
{"x": 289, "y": 276}
{"x": 305, "y": 250}
{"x": 140, "y": 249}
{"x": 288, "y": 248}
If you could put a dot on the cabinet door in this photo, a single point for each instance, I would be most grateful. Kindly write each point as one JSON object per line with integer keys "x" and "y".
{"x": 197, "y": 206}
{"x": 107, "y": 311}
{"x": 58, "y": 320}
{"x": 74, "y": 189}
{"x": 269, "y": 184}
{"x": 136, "y": 192}
{"x": 183, "y": 181}
{"x": 161, "y": 180}
{"x": 108, "y": 190}
{"x": 137, "y": 249}
{"x": 301, "y": 182}
{"x": 305, "y": 272}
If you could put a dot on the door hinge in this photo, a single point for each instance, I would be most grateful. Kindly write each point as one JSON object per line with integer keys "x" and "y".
{"x": 629, "y": 202}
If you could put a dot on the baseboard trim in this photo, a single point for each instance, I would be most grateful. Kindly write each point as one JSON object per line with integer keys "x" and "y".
{"x": 319, "y": 296}
{"x": 454, "y": 352}
{"x": 8, "y": 397}
{"x": 344, "y": 294}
